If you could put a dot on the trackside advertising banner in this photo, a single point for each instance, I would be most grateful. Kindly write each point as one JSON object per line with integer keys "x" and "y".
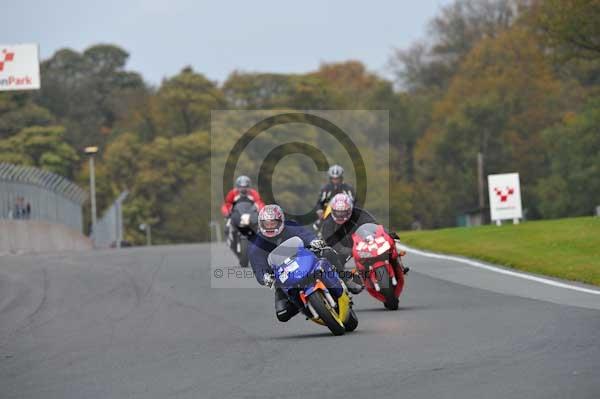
{"x": 505, "y": 196}
{"x": 19, "y": 67}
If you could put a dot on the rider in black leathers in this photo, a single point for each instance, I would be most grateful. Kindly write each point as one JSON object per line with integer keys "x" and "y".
{"x": 342, "y": 223}
{"x": 335, "y": 186}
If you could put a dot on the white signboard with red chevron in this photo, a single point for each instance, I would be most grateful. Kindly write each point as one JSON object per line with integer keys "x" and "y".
{"x": 19, "y": 67}
{"x": 505, "y": 197}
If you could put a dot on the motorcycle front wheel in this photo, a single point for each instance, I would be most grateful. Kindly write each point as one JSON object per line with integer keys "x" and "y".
{"x": 387, "y": 289}
{"x": 352, "y": 322}
{"x": 326, "y": 313}
{"x": 243, "y": 255}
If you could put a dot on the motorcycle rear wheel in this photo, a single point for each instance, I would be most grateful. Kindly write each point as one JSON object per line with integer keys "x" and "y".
{"x": 326, "y": 313}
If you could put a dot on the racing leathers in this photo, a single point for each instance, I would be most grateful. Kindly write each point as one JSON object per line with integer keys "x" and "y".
{"x": 235, "y": 195}
{"x": 259, "y": 251}
{"x": 329, "y": 190}
{"x": 339, "y": 236}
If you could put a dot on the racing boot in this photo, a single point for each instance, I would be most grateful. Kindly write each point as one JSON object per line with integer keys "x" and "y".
{"x": 354, "y": 282}
{"x": 284, "y": 309}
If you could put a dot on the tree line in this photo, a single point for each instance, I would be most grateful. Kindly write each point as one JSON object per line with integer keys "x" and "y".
{"x": 515, "y": 80}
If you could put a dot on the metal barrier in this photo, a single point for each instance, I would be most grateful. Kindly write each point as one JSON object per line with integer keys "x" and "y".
{"x": 31, "y": 193}
{"x": 217, "y": 232}
{"x": 109, "y": 229}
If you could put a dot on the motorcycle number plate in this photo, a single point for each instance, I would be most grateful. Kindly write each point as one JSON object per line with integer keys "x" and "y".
{"x": 283, "y": 276}
{"x": 292, "y": 267}
{"x": 245, "y": 219}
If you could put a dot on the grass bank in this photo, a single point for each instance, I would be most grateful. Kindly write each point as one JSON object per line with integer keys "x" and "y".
{"x": 563, "y": 248}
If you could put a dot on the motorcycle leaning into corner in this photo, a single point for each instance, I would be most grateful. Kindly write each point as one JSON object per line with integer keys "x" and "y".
{"x": 379, "y": 263}
{"x": 241, "y": 225}
{"x": 313, "y": 285}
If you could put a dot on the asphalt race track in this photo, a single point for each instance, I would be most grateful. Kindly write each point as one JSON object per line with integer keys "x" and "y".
{"x": 145, "y": 323}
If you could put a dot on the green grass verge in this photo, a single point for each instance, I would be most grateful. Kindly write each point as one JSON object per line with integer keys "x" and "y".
{"x": 564, "y": 248}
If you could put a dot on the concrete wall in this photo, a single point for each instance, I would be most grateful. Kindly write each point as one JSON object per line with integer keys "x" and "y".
{"x": 26, "y": 236}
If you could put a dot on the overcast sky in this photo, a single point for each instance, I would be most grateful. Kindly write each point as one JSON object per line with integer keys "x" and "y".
{"x": 218, "y": 37}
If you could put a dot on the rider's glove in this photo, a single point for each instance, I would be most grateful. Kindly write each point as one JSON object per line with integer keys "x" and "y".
{"x": 268, "y": 279}
{"x": 317, "y": 245}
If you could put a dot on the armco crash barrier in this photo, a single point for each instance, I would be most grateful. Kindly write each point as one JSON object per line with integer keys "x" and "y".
{"x": 27, "y": 236}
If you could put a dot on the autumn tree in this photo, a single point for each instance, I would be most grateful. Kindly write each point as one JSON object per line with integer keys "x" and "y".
{"x": 84, "y": 91}
{"x": 40, "y": 146}
{"x": 453, "y": 33}
{"x": 498, "y": 104}
{"x": 18, "y": 111}
{"x": 166, "y": 179}
{"x": 186, "y": 100}
{"x": 572, "y": 26}
{"x": 572, "y": 187}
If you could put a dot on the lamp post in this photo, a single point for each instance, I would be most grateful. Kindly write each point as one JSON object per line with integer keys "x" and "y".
{"x": 148, "y": 229}
{"x": 91, "y": 152}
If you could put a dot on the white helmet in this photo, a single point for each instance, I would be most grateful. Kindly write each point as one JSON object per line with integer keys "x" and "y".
{"x": 336, "y": 172}
{"x": 271, "y": 221}
{"x": 341, "y": 208}
{"x": 243, "y": 182}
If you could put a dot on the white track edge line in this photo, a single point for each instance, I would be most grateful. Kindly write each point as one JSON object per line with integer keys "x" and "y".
{"x": 498, "y": 270}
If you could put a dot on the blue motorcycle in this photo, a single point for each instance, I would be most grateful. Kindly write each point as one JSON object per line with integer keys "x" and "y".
{"x": 313, "y": 285}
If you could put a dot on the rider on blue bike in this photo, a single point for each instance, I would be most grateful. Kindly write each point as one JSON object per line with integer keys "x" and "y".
{"x": 273, "y": 229}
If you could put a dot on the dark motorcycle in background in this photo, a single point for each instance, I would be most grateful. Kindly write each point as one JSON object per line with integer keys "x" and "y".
{"x": 242, "y": 224}
{"x": 379, "y": 263}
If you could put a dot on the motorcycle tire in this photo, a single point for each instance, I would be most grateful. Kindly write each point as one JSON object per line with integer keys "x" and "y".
{"x": 391, "y": 302}
{"x": 243, "y": 256}
{"x": 352, "y": 322}
{"x": 326, "y": 313}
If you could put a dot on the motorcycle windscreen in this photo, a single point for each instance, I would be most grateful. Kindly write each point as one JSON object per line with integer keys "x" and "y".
{"x": 366, "y": 230}
{"x": 291, "y": 262}
{"x": 242, "y": 208}
{"x": 287, "y": 249}
{"x": 372, "y": 244}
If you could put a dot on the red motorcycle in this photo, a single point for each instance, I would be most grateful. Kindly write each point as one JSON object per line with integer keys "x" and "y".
{"x": 379, "y": 263}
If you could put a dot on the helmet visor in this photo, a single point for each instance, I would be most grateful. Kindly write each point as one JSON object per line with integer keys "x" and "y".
{"x": 272, "y": 224}
{"x": 341, "y": 216}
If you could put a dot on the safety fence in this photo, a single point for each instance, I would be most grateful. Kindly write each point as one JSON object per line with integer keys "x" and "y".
{"x": 31, "y": 193}
{"x": 108, "y": 232}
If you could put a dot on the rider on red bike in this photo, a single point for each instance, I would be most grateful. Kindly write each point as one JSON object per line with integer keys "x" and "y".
{"x": 344, "y": 220}
{"x": 242, "y": 191}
